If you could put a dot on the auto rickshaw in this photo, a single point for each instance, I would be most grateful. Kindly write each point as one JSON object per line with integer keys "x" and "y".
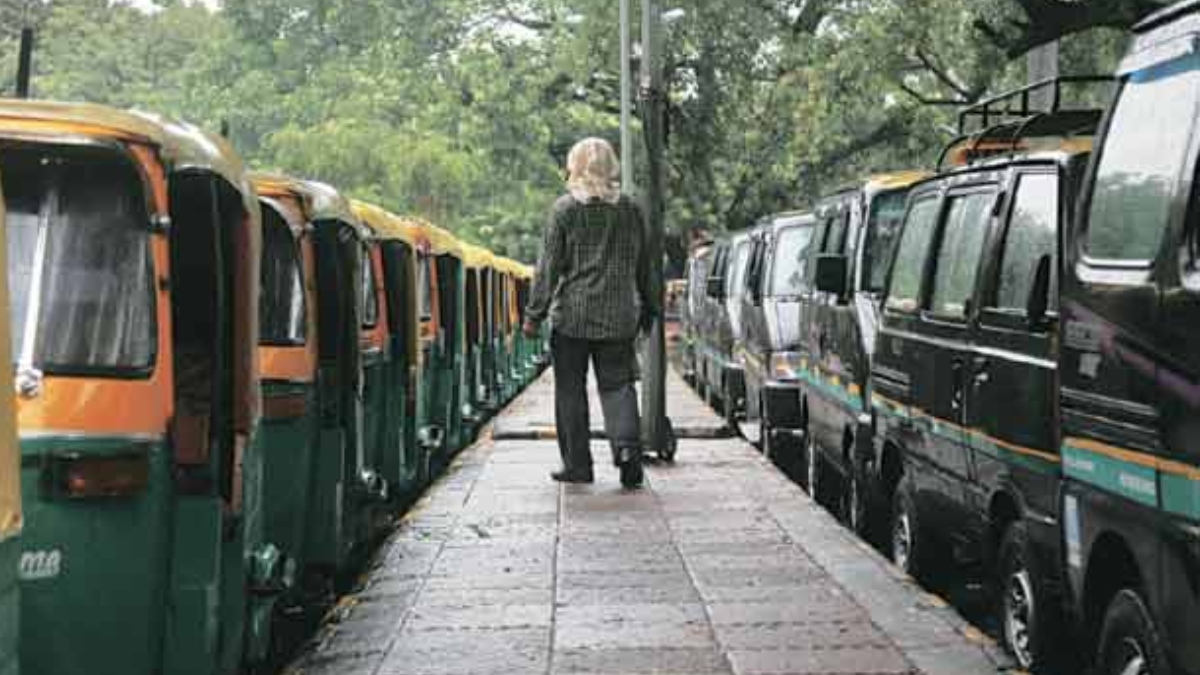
{"x": 478, "y": 403}
{"x": 133, "y": 249}
{"x": 10, "y": 499}
{"x": 443, "y": 264}
{"x": 325, "y": 483}
{"x": 394, "y": 375}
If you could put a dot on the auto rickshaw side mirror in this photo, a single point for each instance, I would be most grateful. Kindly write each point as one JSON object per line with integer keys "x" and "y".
{"x": 1037, "y": 304}
{"x": 831, "y": 275}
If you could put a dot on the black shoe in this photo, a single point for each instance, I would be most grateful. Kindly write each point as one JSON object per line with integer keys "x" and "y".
{"x": 565, "y": 476}
{"x": 632, "y": 474}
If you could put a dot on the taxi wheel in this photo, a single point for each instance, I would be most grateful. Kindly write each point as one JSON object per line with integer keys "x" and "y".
{"x": 854, "y": 504}
{"x": 812, "y": 467}
{"x": 1129, "y": 641}
{"x": 1025, "y": 608}
{"x": 908, "y": 542}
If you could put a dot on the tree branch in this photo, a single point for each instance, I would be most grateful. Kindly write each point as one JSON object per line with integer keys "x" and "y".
{"x": 1048, "y": 20}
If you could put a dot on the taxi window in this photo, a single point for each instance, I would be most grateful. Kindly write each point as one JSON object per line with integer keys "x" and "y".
{"x": 912, "y": 254}
{"x": 1142, "y": 160}
{"x": 959, "y": 253}
{"x": 789, "y": 270}
{"x": 1032, "y": 234}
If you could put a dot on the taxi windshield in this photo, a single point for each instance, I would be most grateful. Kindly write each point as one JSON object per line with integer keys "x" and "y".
{"x": 79, "y": 264}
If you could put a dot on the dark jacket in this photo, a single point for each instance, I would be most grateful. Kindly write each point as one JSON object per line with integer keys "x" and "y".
{"x": 593, "y": 274}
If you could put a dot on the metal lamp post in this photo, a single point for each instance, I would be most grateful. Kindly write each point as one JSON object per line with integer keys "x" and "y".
{"x": 654, "y": 399}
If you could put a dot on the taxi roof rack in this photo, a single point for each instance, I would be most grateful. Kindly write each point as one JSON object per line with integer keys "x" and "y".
{"x": 1020, "y": 102}
{"x": 1011, "y": 117}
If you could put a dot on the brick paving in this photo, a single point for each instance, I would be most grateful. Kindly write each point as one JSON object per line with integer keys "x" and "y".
{"x": 721, "y": 565}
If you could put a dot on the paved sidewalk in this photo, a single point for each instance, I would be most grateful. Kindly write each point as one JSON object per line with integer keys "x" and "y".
{"x": 720, "y": 565}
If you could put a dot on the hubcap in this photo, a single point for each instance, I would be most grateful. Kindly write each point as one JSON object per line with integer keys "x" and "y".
{"x": 1019, "y": 615}
{"x": 854, "y": 514}
{"x": 901, "y": 541}
{"x": 1133, "y": 659}
{"x": 811, "y": 459}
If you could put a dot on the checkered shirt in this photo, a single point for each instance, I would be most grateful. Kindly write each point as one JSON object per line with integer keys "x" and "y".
{"x": 593, "y": 272}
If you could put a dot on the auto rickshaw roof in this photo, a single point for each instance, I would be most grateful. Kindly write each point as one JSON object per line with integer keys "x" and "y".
{"x": 516, "y": 269}
{"x": 438, "y": 240}
{"x": 383, "y": 223}
{"x": 478, "y": 257}
{"x": 321, "y": 202}
{"x": 182, "y": 146}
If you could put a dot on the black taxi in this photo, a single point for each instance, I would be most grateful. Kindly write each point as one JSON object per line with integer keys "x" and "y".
{"x": 777, "y": 280}
{"x": 964, "y": 376}
{"x": 1130, "y": 365}
{"x": 857, "y": 230}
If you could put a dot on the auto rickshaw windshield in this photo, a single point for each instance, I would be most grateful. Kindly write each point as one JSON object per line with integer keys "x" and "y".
{"x": 282, "y": 313}
{"x": 80, "y": 267}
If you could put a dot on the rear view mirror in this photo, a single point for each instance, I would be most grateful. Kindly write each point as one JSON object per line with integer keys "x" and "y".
{"x": 716, "y": 288}
{"x": 831, "y": 275}
{"x": 1039, "y": 294}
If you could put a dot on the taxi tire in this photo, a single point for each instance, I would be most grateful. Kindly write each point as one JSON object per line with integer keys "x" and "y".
{"x": 915, "y": 560}
{"x": 1129, "y": 627}
{"x": 1022, "y": 587}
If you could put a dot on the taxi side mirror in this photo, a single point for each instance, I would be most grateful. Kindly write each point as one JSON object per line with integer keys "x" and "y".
{"x": 831, "y": 275}
{"x": 716, "y": 288}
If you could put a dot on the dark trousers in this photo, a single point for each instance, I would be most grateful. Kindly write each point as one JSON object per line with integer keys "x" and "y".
{"x": 615, "y": 363}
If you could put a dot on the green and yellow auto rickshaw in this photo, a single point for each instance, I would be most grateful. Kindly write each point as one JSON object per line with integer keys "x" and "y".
{"x": 442, "y": 265}
{"x": 395, "y": 339}
{"x": 325, "y": 486}
{"x": 10, "y": 499}
{"x": 478, "y": 400}
{"x": 133, "y": 250}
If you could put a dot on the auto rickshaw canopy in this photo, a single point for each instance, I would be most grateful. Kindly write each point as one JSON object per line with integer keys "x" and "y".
{"x": 477, "y": 257}
{"x": 320, "y": 201}
{"x": 181, "y": 146}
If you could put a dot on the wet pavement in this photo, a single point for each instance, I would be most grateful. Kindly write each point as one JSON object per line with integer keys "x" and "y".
{"x": 720, "y": 565}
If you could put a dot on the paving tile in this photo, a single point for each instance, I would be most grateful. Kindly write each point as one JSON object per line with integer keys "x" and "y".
{"x": 626, "y": 661}
{"x": 720, "y": 566}
{"x": 855, "y": 661}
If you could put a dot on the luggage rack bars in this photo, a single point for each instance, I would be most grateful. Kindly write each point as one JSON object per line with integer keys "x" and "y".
{"x": 1008, "y": 118}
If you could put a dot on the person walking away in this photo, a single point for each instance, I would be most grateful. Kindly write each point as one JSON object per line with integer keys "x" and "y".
{"x": 592, "y": 282}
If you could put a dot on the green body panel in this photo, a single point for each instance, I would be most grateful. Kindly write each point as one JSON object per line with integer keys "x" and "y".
{"x": 326, "y": 544}
{"x": 400, "y": 462}
{"x": 193, "y": 629}
{"x": 76, "y": 549}
{"x": 10, "y": 597}
{"x": 380, "y": 442}
{"x": 288, "y": 451}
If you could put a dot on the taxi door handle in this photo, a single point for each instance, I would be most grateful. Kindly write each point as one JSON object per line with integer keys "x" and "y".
{"x": 981, "y": 366}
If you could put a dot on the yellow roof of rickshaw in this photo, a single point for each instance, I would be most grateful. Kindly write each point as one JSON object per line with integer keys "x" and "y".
{"x": 478, "y": 257}
{"x": 383, "y": 223}
{"x": 181, "y": 145}
{"x": 514, "y": 268}
{"x": 440, "y": 241}
{"x": 320, "y": 200}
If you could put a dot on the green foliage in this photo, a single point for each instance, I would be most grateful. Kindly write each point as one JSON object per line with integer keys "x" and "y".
{"x": 463, "y": 110}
